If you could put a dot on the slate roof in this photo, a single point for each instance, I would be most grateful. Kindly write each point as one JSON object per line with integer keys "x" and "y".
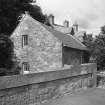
{"x": 79, "y": 35}
{"x": 68, "y": 40}
{"x": 65, "y": 30}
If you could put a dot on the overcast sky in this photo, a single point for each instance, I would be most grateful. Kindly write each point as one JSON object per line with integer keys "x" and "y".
{"x": 89, "y": 14}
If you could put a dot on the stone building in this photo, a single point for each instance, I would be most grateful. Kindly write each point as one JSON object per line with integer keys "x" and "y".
{"x": 41, "y": 48}
{"x": 73, "y": 32}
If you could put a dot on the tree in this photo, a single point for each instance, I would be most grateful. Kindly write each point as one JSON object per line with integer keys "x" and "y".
{"x": 72, "y": 31}
{"x": 7, "y": 65}
{"x": 103, "y": 29}
{"x": 99, "y": 51}
{"x": 36, "y": 12}
{"x": 89, "y": 42}
{"x": 12, "y": 10}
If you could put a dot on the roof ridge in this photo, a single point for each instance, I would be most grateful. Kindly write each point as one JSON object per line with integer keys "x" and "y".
{"x": 50, "y": 28}
{"x": 67, "y": 39}
{"x": 78, "y": 40}
{"x": 20, "y": 21}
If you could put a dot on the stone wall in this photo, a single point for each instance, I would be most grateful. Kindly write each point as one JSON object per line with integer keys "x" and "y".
{"x": 72, "y": 56}
{"x": 101, "y": 80}
{"x": 35, "y": 89}
{"x": 44, "y": 50}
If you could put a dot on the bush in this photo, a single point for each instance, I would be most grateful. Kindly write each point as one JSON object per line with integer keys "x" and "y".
{"x": 8, "y": 62}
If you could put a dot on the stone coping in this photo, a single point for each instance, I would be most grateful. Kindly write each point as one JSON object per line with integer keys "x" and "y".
{"x": 21, "y": 80}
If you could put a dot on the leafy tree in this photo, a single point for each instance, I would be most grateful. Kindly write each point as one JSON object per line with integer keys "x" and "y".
{"x": 99, "y": 51}
{"x": 11, "y": 11}
{"x": 91, "y": 45}
{"x": 103, "y": 29}
{"x": 36, "y": 12}
{"x": 7, "y": 65}
{"x": 72, "y": 31}
{"x": 89, "y": 42}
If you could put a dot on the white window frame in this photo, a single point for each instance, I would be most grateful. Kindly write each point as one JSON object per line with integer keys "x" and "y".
{"x": 25, "y": 66}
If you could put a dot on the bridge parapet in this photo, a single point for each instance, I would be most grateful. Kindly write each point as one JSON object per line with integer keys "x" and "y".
{"x": 40, "y": 87}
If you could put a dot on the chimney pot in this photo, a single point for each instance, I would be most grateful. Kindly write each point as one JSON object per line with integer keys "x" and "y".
{"x": 66, "y": 23}
{"x": 75, "y": 26}
{"x": 51, "y": 19}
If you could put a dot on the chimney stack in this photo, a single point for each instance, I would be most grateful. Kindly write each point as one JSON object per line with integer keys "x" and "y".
{"x": 75, "y": 26}
{"x": 51, "y": 19}
{"x": 66, "y": 23}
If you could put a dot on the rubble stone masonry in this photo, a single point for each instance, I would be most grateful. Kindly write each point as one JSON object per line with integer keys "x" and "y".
{"x": 37, "y": 88}
{"x": 44, "y": 50}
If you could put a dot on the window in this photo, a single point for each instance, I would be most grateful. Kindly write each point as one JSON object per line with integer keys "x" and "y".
{"x": 24, "y": 40}
{"x": 25, "y": 66}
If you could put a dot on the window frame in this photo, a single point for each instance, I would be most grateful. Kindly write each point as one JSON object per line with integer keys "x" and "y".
{"x": 25, "y": 66}
{"x": 24, "y": 40}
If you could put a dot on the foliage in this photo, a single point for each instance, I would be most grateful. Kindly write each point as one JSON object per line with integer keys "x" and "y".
{"x": 12, "y": 10}
{"x": 97, "y": 49}
{"x": 100, "y": 51}
{"x": 36, "y": 12}
{"x": 7, "y": 65}
{"x": 103, "y": 29}
{"x": 72, "y": 31}
{"x": 89, "y": 42}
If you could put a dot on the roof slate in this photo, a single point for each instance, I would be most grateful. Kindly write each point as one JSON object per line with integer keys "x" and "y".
{"x": 68, "y": 40}
{"x": 65, "y": 30}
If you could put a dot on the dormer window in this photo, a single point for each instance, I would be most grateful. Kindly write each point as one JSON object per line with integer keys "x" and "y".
{"x": 24, "y": 40}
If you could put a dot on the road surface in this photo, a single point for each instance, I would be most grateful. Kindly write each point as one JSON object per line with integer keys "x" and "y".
{"x": 87, "y": 97}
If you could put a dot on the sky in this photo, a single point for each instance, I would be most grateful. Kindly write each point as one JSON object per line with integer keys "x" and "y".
{"x": 89, "y": 14}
